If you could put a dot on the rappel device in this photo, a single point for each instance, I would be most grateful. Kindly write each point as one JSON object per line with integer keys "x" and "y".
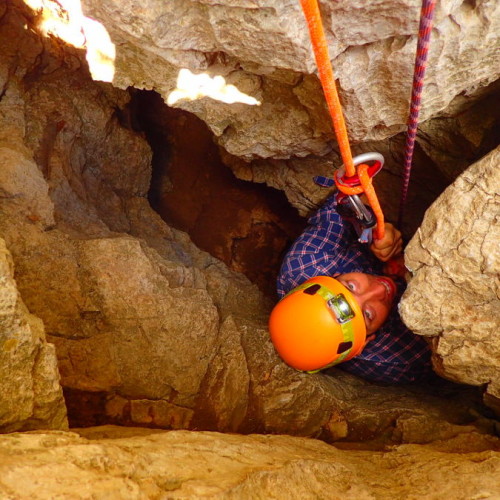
{"x": 363, "y": 174}
{"x": 350, "y": 207}
{"x": 355, "y": 177}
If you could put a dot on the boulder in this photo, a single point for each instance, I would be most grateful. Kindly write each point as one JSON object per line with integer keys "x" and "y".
{"x": 454, "y": 295}
{"x": 108, "y": 462}
{"x": 30, "y": 393}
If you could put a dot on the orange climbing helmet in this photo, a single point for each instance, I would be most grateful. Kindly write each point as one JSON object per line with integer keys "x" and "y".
{"x": 317, "y": 325}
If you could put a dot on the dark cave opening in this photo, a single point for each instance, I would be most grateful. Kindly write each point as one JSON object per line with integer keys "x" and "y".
{"x": 246, "y": 225}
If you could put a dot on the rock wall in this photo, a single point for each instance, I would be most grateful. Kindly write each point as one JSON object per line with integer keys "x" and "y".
{"x": 155, "y": 331}
{"x": 30, "y": 393}
{"x": 73, "y": 197}
{"x": 135, "y": 464}
{"x": 454, "y": 296}
{"x": 149, "y": 330}
{"x": 263, "y": 48}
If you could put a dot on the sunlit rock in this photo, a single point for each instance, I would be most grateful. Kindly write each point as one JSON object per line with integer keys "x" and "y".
{"x": 263, "y": 49}
{"x": 454, "y": 296}
{"x": 140, "y": 463}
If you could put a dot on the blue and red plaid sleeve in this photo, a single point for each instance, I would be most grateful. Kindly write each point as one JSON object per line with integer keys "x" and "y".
{"x": 396, "y": 356}
{"x": 327, "y": 247}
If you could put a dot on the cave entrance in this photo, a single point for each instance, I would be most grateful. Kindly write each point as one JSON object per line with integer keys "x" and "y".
{"x": 246, "y": 225}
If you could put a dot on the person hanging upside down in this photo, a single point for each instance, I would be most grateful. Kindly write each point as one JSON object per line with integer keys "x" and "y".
{"x": 339, "y": 306}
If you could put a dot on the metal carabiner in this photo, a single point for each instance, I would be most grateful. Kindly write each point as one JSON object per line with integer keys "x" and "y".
{"x": 354, "y": 209}
{"x": 366, "y": 158}
{"x": 351, "y": 208}
{"x": 363, "y": 214}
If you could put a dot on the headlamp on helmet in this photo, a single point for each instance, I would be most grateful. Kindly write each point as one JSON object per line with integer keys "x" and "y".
{"x": 317, "y": 325}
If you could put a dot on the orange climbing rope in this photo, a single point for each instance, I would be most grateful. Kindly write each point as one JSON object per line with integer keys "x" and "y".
{"x": 327, "y": 79}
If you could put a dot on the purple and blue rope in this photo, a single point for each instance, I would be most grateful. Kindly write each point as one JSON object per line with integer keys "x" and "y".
{"x": 424, "y": 35}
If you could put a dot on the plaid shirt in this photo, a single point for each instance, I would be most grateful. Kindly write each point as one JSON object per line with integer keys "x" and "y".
{"x": 327, "y": 247}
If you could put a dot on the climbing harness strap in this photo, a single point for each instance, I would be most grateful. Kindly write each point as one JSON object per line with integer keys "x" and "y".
{"x": 424, "y": 35}
{"x": 352, "y": 182}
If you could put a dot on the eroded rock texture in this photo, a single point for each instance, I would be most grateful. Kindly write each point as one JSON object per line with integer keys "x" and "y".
{"x": 30, "y": 393}
{"x": 263, "y": 48}
{"x": 138, "y": 464}
{"x": 146, "y": 326}
{"x": 454, "y": 295}
{"x": 151, "y": 331}
{"x": 72, "y": 198}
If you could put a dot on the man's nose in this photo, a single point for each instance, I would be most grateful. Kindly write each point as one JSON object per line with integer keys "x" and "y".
{"x": 375, "y": 291}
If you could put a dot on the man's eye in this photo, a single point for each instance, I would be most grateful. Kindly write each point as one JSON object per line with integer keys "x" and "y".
{"x": 368, "y": 315}
{"x": 350, "y": 286}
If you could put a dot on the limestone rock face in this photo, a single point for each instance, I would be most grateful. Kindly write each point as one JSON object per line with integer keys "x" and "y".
{"x": 148, "y": 328}
{"x": 71, "y": 194}
{"x": 30, "y": 393}
{"x": 454, "y": 296}
{"x": 137, "y": 463}
{"x": 263, "y": 48}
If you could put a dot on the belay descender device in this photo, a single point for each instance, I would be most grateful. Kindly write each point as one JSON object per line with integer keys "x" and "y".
{"x": 352, "y": 181}
{"x": 349, "y": 206}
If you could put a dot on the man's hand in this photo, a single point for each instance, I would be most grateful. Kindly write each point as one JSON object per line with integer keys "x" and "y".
{"x": 389, "y": 246}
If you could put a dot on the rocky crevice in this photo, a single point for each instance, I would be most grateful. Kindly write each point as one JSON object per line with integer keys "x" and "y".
{"x": 149, "y": 329}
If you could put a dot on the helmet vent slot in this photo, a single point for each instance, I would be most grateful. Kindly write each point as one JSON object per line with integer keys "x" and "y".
{"x": 343, "y": 347}
{"x": 312, "y": 289}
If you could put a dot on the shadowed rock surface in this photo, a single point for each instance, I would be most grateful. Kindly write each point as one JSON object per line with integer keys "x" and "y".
{"x": 30, "y": 394}
{"x": 151, "y": 331}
